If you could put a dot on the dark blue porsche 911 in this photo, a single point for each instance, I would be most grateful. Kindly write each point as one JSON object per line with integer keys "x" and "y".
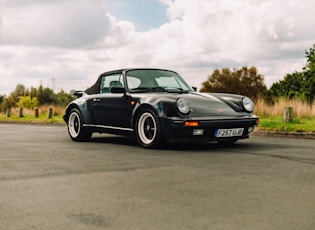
{"x": 157, "y": 106}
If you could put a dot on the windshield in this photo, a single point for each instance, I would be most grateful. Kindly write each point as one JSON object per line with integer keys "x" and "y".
{"x": 155, "y": 80}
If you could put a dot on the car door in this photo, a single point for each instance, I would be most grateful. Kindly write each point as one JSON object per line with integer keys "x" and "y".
{"x": 112, "y": 109}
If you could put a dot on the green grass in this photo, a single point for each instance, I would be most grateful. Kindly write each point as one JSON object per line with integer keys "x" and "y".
{"x": 31, "y": 119}
{"x": 277, "y": 124}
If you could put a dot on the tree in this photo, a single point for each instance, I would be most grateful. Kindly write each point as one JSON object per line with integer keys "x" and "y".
{"x": 310, "y": 58}
{"x": 40, "y": 95}
{"x": 1, "y": 100}
{"x": 45, "y": 95}
{"x": 244, "y": 81}
{"x": 63, "y": 98}
{"x": 309, "y": 75}
{"x": 33, "y": 97}
{"x": 15, "y": 95}
{"x": 291, "y": 86}
{"x": 33, "y": 92}
{"x": 6, "y": 104}
{"x": 299, "y": 84}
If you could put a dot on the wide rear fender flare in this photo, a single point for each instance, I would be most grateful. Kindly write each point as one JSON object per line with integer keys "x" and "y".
{"x": 86, "y": 116}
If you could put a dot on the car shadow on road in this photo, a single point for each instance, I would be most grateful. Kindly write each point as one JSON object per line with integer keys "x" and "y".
{"x": 193, "y": 146}
{"x": 115, "y": 139}
{"x": 245, "y": 148}
{"x": 132, "y": 141}
{"x": 241, "y": 147}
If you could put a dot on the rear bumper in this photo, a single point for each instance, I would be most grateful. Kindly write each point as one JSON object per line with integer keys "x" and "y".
{"x": 174, "y": 129}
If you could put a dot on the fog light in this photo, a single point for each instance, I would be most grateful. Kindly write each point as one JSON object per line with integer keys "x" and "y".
{"x": 250, "y": 129}
{"x": 198, "y": 132}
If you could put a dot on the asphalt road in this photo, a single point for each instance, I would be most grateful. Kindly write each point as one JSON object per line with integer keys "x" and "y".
{"x": 49, "y": 182}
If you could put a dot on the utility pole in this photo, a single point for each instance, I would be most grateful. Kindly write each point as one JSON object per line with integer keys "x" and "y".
{"x": 53, "y": 81}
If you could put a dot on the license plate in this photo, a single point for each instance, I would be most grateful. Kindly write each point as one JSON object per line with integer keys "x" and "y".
{"x": 229, "y": 132}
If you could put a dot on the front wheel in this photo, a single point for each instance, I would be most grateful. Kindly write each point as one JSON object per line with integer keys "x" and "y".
{"x": 148, "y": 129}
{"x": 75, "y": 127}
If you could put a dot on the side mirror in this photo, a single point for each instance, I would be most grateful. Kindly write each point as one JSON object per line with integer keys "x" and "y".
{"x": 117, "y": 89}
{"x": 77, "y": 93}
{"x": 194, "y": 88}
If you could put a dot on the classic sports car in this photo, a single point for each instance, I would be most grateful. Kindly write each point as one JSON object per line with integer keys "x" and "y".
{"x": 157, "y": 106}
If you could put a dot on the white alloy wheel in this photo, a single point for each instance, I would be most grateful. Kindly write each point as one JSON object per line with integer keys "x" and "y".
{"x": 147, "y": 128}
{"x": 74, "y": 125}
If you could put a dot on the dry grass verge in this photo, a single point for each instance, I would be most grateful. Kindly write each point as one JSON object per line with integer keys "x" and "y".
{"x": 57, "y": 110}
{"x": 29, "y": 115}
{"x": 300, "y": 109}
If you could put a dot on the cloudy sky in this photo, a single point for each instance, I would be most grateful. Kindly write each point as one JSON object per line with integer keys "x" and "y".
{"x": 67, "y": 44}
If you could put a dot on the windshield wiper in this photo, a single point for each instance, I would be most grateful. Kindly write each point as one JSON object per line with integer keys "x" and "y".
{"x": 176, "y": 90}
{"x": 160, "y": 89}
{"x": 149, "y": 89}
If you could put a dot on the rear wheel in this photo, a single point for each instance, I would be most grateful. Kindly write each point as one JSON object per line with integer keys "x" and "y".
{"x": 75, "y": 127}
{"x": 148, "y": 129}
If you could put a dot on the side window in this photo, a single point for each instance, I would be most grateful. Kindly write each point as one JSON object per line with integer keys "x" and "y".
{"x": 111, "y": 81}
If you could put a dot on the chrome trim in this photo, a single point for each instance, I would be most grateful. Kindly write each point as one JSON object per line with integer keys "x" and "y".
{"x": 109, "y": 127}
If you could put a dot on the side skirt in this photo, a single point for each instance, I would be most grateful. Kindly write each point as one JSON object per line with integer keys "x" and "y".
{"x": 110, "y": 129}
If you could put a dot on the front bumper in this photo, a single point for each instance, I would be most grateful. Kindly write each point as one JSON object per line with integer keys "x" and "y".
{"x": 174, "y": 129}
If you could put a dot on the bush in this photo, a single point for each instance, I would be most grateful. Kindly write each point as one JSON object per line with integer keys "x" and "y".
{"x": 27, "y": 102}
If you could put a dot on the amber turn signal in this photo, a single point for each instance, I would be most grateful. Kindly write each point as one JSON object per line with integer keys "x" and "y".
{"x": 191, "y": 123}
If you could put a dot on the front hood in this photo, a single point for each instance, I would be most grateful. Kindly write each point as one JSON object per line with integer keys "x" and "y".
{"x": 208, "y": 105}
{"x": 201, "y": 104}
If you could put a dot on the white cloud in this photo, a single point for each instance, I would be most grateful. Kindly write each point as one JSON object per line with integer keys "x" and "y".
{"x": 256, "y": 33}
{"x": 61, "y": 23}
{"x": 75, "y": 41}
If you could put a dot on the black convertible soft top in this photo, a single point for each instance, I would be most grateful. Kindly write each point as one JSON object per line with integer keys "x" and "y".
{"x": 95, "y": 89}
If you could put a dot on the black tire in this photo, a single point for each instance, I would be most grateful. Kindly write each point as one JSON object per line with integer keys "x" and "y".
{"x": 148, "y": 129}
{"x": 75, "y": 127}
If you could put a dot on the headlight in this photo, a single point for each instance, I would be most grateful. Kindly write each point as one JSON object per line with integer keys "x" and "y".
{"x": 183, "y": 106}
{"x": 248, "y": 104}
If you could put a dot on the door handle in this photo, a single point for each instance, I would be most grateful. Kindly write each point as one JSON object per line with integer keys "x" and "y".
{"x": 96, "y": 100}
